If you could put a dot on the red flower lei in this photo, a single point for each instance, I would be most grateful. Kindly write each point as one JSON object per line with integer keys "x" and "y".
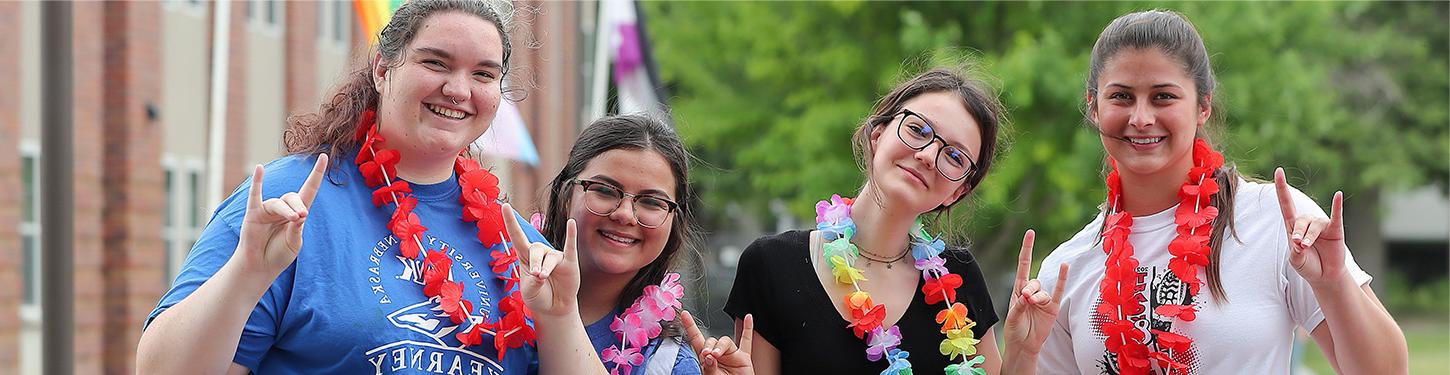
{"x": 1190, "y": 250}
{"x": 480, "y": 206}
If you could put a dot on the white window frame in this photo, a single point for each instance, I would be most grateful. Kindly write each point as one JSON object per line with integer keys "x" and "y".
{"x": 257, "y": 21}
{"x": 327, "y": 20}
{"x": 30, "y": 312}
{"x": 197, "y": 9}
{"x": 180, "y": 234}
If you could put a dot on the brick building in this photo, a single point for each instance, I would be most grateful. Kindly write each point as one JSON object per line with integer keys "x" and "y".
{"x": 141, "y": 110}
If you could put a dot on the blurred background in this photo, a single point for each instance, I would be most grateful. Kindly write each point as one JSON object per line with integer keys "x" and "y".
{"x": 170, "y": 101}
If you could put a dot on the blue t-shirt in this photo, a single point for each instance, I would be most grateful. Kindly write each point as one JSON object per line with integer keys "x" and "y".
{"x": 601, "y": 336}
{"x": 351, "y": 303}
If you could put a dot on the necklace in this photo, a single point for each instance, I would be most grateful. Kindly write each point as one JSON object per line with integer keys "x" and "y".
{"x": 878, "y": 258}
{"x": 1190, "y": 250}
{"x": 833, "y": 220}
{"x": 479, "y": 198}
{"x": 640, "y": 323}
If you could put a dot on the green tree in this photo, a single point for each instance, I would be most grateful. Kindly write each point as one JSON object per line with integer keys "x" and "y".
{"x": 1346, "y": 95}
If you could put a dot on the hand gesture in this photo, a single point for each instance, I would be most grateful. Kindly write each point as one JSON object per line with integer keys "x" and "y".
{"x": 1317, "y": 243}
{"x": 1031, "y": 311}
{"x": 271, "y": 235}
{"x": 720, "y": 355}
{"x": 549, "y": 278}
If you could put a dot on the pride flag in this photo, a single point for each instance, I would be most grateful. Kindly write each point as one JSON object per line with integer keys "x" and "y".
{"x": 372, "y": 15}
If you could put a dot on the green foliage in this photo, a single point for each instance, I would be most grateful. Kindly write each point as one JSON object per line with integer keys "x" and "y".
{"x": 1346, "y": 95}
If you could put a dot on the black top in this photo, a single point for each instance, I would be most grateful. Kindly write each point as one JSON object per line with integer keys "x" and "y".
{"x": 776, "y": 282}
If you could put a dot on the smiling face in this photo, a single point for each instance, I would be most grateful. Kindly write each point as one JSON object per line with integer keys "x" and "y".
{"x": 616, "y": 243}
{"x": 912, "y": 176}
{"x": 1148, "y": 113}
{"x": 445, "y": 89}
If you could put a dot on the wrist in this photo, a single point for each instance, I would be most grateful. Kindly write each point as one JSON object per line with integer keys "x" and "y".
{"x": 1333, "y": 284}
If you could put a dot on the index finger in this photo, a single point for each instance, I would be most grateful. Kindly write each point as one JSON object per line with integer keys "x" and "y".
{"x": 748, "y": 334}
{"x": 1286, "y": 199}
{"x": 254, "y": 199}
{"x": 516, "y": 234}
{"x": 314, "y": 180}
{"x": 1061, "y": 282}
{"x": 692, "y": 332}
{"x": 1024, "y": 261}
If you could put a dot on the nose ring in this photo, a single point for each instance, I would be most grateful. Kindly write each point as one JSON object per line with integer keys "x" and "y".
{"x": 455, "y": 101}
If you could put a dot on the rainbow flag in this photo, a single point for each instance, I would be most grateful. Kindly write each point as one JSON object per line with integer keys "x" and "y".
{"x": 372, "y": 15}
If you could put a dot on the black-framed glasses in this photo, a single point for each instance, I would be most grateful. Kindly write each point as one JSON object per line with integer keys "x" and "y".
{"x": 602, "y": 198}
{"x": 918, "y": 134}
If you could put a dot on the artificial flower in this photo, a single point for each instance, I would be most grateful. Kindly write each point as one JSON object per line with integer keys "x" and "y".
{"x": 844, "y": 273}
{"x": 941, "y": 288}
{"x": 882, "y": 341}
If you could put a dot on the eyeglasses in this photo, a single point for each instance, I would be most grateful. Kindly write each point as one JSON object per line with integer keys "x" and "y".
{"x": 918, "y": 134}
{"x": 602, "y": 198}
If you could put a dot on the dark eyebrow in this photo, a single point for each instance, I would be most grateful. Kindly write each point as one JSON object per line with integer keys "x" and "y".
{"x": 444, "y": 54}
{"x": 1157, "y": 86}
{"x": 616, "y": 184}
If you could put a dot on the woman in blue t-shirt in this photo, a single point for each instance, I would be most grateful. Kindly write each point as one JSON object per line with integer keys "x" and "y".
{"x": 391, "y": 280}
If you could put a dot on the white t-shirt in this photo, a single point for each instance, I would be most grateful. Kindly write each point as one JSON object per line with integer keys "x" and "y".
{"x": 1251, "y": 332}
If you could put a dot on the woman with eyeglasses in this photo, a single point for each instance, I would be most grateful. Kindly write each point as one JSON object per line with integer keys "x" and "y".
{"x": 626, "y": 186}
{"x": 871, "y": 290}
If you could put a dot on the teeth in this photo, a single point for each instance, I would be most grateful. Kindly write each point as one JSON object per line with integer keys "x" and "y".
{"x": 1145, "y": 141}
{"x": 445, "y": 112}
{"x": 618, "y": 238}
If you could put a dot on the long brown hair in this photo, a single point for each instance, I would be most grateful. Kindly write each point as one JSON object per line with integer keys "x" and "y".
{"x": 1174, "y": 36}
{"x": 633, "y": 132}
{"x": 331, "y": 128}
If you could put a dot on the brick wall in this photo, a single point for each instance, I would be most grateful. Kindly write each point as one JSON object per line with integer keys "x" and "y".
{"x": 10, "y": 181}
{"x": 89, "y": 311}
{"x": 134, "y": 251}
{"x": 300, "y": 57}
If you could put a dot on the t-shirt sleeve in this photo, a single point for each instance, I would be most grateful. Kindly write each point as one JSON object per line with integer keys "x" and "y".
{"x": 751, "y": 292}
{"x": 217, "y": 243}
{"x": 1303, "y": 307}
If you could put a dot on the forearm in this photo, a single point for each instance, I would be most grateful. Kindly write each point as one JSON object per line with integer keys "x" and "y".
{"x": 1366, "y": 338}
{"x": 200, "y": 333}
{"x": 1018, "y": 363}
{"x": 564, "y": 347}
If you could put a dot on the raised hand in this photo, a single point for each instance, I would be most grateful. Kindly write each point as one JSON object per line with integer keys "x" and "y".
{"x": 721, "y": 355}
{"x": 1031, "y": 310}
{"x": 1317, "y": 243}
{"x": 549, "y": 278}
{"x": 271, "y": 235}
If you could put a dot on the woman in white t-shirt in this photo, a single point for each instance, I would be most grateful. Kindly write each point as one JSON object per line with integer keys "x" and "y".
{"x": 1191, "y": 268}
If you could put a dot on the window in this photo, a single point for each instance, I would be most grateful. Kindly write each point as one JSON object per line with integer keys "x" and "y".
{"x": 333, "y": 22}
{"x": 195, "y": 8}
{"x": 30, "y": 231}
{"x": 184, "y": 217}
{"x": 265, "y": 15}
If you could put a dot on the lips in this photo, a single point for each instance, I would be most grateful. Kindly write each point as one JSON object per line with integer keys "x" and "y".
{"x": 618, "y": 238}
{"x": 915, "y": 175}
{"x": 445, "y": 112}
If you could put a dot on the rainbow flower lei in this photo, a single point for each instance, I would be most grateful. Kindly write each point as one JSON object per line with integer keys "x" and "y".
{"x": 640, "y": 323}
{"x": 833, "y": 220}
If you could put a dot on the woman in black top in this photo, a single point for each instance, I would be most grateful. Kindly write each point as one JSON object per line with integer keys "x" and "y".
{"x": 927, "y": 143}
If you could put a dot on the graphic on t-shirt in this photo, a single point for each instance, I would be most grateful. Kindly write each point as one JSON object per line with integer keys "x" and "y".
{"x": 429, "y": 344}
{"x": 1154, "y": 287}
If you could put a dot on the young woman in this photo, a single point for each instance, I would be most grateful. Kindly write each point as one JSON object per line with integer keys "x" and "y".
{"x": 1191, "y": 268}
{"x": 390, "y": 280}
{"x": 626, "y": 185}
{"x": 844, "y": 298}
